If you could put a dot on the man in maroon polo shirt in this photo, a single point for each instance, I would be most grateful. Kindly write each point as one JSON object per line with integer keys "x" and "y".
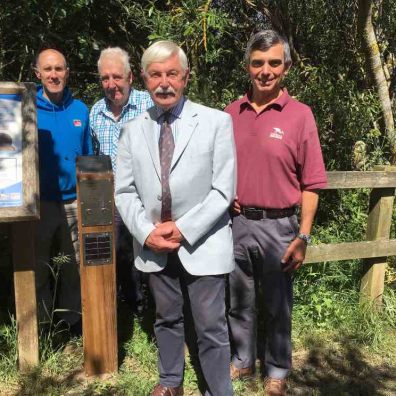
{"x": 280, "y": 167}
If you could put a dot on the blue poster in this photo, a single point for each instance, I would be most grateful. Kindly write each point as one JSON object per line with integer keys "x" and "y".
{"x": 11, "y": 193}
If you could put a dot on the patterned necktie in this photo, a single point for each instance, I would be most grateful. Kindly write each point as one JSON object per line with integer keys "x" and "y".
{"x": 166, "y": 148}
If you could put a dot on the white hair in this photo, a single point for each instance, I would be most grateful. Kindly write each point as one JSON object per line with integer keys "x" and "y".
{"x": 115, "y": 52}
{"x": 162, "y": 50}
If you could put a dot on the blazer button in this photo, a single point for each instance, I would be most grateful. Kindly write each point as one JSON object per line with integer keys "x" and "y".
{"x": 159, "y": 197}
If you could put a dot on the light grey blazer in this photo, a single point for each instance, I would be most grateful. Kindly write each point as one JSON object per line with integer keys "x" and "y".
{"x": 202, "y": 183}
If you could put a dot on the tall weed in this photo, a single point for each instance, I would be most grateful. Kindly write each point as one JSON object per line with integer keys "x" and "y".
{"x": 8, "y": 350}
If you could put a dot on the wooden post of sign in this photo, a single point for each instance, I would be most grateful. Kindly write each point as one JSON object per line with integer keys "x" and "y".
{"x": 25, "y": 294}
{"x": 95, "y": 194}
{"x": 22, "y": 219}
{"x": 378, "y": 228}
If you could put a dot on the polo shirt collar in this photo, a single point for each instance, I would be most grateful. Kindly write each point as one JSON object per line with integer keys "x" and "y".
{"x": 279, "y": 103}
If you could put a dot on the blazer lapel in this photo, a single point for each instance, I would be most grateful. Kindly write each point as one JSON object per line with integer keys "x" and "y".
{"x": 188, "y": 123}
{"x": 150, "y": 134}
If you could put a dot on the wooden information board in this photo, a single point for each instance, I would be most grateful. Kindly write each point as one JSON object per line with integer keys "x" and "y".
{"x": 19, "y": 205}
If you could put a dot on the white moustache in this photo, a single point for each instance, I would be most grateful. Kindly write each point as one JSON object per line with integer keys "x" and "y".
{"x": 165, "y": 91}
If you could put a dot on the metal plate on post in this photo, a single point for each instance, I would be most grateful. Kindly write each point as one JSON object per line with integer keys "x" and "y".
{"x": 98, "y": 248}
{"x": 96, "y": 199}
{"x": 94, "y": 164}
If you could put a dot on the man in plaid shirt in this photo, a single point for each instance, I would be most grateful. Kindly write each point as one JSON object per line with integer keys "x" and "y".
{"x": 120, "y": 104}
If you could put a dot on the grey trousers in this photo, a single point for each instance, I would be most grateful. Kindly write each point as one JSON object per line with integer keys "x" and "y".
{"x": 57, "y": 232}
{"x": 207, "y": 298}
{"x": 259, "y": 246}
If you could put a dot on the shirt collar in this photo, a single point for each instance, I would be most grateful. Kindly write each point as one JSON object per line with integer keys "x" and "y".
{"x": 278, "y": 104}
{"x": 175, "y": 110}
{"x": 130, "y": 102}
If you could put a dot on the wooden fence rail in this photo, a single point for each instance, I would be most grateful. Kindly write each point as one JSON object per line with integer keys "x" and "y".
{"x": 377, "y": 246}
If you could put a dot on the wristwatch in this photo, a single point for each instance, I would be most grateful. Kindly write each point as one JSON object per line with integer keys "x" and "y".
{"x": 305, "y": 237}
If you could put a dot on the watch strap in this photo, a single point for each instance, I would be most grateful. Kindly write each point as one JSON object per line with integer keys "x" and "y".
{"x": 305, "y": 237}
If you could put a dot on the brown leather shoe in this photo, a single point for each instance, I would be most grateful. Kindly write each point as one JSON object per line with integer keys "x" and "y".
{"x": 274, "y": 387}
{"x": 241, "y": 373}
{"x": 161, "y": 390}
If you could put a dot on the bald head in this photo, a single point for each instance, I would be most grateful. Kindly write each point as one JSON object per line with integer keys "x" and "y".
{"x": 49, "y": 51}
{"x": 51, "y": 69}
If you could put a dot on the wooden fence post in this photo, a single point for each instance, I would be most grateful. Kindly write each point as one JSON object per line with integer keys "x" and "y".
{"x": 378, "y": 227}
{"x": 25, "y": 293}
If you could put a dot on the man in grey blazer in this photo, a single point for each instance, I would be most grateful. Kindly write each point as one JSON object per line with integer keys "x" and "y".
{"x": 175, "y": 181}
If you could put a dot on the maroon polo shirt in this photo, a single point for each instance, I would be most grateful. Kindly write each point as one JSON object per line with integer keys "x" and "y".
{"x": 278, "y": 152}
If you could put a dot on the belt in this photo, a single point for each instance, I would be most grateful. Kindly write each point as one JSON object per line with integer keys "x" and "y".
{"x": 252, "y": 213}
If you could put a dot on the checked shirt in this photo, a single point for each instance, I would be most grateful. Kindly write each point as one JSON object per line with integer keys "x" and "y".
{"x": 106, "y": 130}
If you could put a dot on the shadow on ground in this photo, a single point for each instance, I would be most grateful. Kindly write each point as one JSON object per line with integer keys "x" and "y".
{"x": 323, "y": 368}
{"x": 74, "y": 382}
{"x": 330, "y": 369}
{"x": 335, "y": 369}
{"x": 36, "y": 383}
{"x": 340, "y": 369}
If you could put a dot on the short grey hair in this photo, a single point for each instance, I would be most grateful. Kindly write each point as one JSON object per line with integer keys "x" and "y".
{"x": 162, "y": 50}
{"x": 264, "y": 40}
{"x": 115, "y": 52}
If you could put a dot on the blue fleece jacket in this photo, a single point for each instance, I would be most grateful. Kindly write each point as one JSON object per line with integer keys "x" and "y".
{"x": 63, "y": 131}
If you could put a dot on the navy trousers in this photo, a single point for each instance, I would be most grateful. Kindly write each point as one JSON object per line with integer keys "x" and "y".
{"x": 207, "y": 299}
{"x": 129, "y": 279}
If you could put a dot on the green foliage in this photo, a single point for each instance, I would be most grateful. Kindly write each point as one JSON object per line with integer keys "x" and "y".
{"x": 329, "y": 74}
{"x": 325, "y": 34}
{"x": 139, "y": 373}
{"x": 324, "y": 308}
{"x": 55, "y": 270}
{"x": 202, "y": 32}
{"x": 376, "y": 328}
{"x": 344, "y": 114}
{"x": 342, "y": 216}
{"x": 8, "y": 350}
{"x": 142, "y": 354}
{"x": 367, "y": 333}
{"x": 339, "y": 316}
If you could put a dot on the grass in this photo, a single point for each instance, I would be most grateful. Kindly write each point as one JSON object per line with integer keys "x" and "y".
{"x": 339, "y": 348}
{"x": 352, "y": 356}
{"x": 8, "y": 352}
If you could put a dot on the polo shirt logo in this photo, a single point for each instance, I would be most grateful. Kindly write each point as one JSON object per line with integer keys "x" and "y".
{"x": 77, "y": 123}
{"x": 277, "y": 133}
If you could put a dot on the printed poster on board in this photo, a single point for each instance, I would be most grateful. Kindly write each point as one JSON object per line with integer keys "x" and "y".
{"x": 10, "y": 150}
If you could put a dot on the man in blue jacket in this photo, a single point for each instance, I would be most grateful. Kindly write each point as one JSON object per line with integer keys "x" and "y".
{"x": 63, "y": 128}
